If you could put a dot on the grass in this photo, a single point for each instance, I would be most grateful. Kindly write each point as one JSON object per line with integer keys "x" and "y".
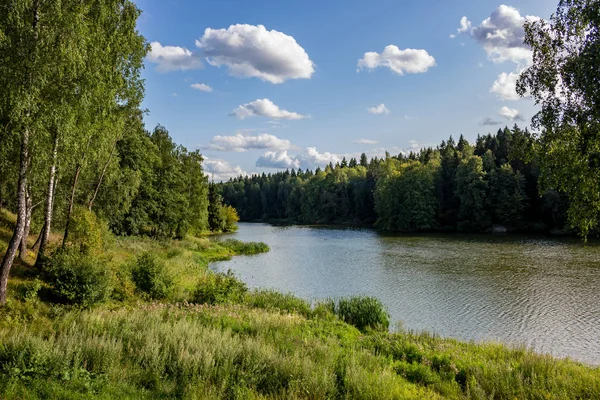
{"x": 242, "y": 344}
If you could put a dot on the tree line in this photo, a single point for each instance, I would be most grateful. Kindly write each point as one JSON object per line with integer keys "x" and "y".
{"x": 455, "y": 186}
{"x": 72, "y": 141}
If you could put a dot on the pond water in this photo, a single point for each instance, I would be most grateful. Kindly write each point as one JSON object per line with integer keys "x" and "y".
{"x": 542, "y": 292}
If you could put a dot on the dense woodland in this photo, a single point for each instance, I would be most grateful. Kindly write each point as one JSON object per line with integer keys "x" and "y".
{"x": 456, "y": 186}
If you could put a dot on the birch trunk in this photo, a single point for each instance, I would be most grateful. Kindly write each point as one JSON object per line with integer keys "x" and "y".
{"x": 13, "y": 246}
{"x": 26, "y": 228}
{"x": 49, "y": 206}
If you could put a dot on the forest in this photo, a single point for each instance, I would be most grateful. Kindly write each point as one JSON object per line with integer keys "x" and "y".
{"x": 455, "y": 187}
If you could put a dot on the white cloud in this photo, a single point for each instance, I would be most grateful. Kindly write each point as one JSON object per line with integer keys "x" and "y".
{"x": 253, "y": 51}
{"x": 465, "y": 25}
{"x": 310, "y": 158}
{"x": 510, "y": 114}
{"x": 172, "y": 58}
{"x": 221, "y": 170}
{"x": 378, "y": 110}
{"x": 264, "y": 108}
{"x": 502, "y": 35}
{"x": 202, "y": 87}
{"x": 409, "y": 61}
{"x": 365, "y": 141}
{"x": 240, "y": 143}
{"x": 452, "y": 36}
{"x": 505, "y": 86}
{"x": 278, "y": 159}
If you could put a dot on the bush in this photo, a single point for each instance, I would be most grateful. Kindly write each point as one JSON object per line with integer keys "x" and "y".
{"x": 363, "y": 312}
{"x": 274, "y": 301}
{"x": 219, "y": 288}
{"x": 246, "y": 248}
{"x": 28, "y": 291}
{"x": 231, "y": 218}
{"x": 87, "y": 231}
{"x": 151, "y": 278}
{"x": 79, "y": 278}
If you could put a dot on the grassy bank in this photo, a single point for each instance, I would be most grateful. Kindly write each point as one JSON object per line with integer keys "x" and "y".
{"x": 194, "y": 334}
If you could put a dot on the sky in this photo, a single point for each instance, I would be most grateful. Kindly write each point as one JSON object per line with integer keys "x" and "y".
{"x": 261, "y": 86}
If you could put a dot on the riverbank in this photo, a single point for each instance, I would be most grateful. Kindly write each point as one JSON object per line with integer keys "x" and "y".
{"x": 211, "y": 338}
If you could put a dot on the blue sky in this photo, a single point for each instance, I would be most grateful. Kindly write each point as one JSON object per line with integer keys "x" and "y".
{"x": 314, "y": 94}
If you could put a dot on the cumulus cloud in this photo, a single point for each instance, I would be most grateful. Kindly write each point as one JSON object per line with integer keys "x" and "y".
{"x": 502, "y": 35}
{"x": 253, "y": 51}
{"x": 378, "y": 110}
{"x": 310, "y": 158}
{"x": 465, "y": 25}
{"x": 240, "y": 143}
{"x": 365, "y": 141}
{"x": 264, "y": 108}
{"x": 278, "y": 159}
{"x": 489, "y": 122}
{"x": 510, "y": 114}
{"x": 221, "y": 170}
{"x": 409, "y": 61}
{"x": 505, "y": 86}
{"x": 172, "y": 58}
{"x": 201, "y": 87}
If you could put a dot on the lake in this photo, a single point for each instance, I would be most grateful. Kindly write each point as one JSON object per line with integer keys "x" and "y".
{"x": 542, "y": 292}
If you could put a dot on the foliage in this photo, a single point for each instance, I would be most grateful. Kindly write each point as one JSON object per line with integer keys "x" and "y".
{"x": 406, "y": 201}
{"x": 172, "y": 196}
{"x": 151, "y": 277}
{"x": 79, "y": 278}
{"x": 231, "y": 218}
{"x": 362, "y": 312}
{"x": 246, "y": 248}
{"x": 563, "y": 80}
{"x": 471, "y": 189}
{"x": 217, "y": 216}
{"x": 216, "y": 288}
{"x": 274, "y": 301}
{"x": 86, "y": 232}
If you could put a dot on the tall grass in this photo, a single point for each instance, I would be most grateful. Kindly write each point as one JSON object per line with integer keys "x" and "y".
{"x": 365, "y": 313}
{"x": 187, "y": 352}
{"x": 245, "y": 248}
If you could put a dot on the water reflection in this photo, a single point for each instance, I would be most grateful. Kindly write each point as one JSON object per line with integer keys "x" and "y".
{"x": 541, "y": 292}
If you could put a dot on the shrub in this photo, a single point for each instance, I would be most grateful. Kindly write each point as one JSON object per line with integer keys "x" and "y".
{"x": 79, "y": 278}
{"x": 28, "y": 291}
{"x": 231, "y": 218}
{"x": 87, "y": 231}
{"x": 363, "y": 312}
{"x": 151, "y": 278}
{"x": 219, "y": 288}
{"x": 272, "y": 300}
